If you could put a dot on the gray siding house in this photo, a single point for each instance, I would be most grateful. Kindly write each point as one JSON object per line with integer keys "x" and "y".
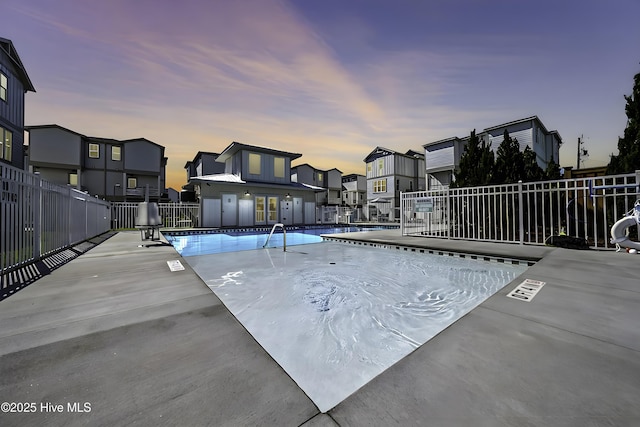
{"x": 354, "y": 190}
{"x": 327, "y": 182}
{"x": 14, "y": 84}
{"x": 388, "y": 174}
{"x": 204, "y": 163}
{"x": 108, "y": 168}
{"x": 254, "y": 190}
{"x": 443, "y": 157}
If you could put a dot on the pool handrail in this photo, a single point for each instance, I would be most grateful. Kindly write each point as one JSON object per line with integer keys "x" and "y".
{"x": 284, "y": 244}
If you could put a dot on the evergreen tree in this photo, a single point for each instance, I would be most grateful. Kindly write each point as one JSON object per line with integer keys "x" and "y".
{"x": 476, "y": 164}
{"x": 467, "y": 173}
{"x": 532, "y": 171}
{"x": 509, "y": 161}
{"x": 628, "y": 158}
{"x": 487, "y": 163}
{"x": 552, "y": 171}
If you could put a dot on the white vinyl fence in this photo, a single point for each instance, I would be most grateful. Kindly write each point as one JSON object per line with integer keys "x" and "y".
{"x": 525, "y": 213}
{"x": 173, "y": 215}
{"x": 39, "y": 219}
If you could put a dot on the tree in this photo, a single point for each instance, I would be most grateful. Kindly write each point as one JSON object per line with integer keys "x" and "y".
{"x": 509, "y": 161}
{"x": 553, "y": 170}
{"x": 628, "y": 158}
{"x": 476, "y": 164}
{"x": 487, "y": 164}
{"x": 532, "y": 171}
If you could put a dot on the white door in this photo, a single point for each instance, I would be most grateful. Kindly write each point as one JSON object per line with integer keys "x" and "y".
{"x": 229, "y": 210}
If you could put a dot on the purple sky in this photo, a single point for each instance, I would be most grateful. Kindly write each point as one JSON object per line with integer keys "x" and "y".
{"x": 330, "y": 79}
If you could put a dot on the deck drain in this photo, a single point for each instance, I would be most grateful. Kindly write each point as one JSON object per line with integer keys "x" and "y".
{"x": 526, "y": 290}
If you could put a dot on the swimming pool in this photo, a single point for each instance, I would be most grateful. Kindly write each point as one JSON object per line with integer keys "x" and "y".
{"x": 244, "y": 240}
{"x": 335, "y": 315}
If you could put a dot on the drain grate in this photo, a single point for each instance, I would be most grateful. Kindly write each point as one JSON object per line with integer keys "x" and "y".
{"x": 526, "y": 290}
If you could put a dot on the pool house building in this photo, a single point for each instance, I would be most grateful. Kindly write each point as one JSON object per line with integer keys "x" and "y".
{"x": 255, "y": 190}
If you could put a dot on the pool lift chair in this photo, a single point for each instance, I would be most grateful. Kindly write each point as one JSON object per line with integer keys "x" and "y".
{"x": 148, "y": 220}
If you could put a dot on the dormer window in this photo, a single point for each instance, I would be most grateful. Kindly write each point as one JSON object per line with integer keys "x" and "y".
{"x": 254, "y": 163}
{"x": 278, "y": 167}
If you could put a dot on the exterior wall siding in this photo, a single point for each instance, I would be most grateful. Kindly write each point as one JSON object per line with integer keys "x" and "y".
{"x": 142, "y": 156}
{"x": 12, "y": 112}
{"x": 440, "y": 156}
{"x": 55, "y": 146}
{"x": 267, "y": 172}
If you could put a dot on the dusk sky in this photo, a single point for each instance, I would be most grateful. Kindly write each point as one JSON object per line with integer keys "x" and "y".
{"x": 329, "y": 79}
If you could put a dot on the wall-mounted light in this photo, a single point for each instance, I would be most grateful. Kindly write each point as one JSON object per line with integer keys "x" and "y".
{"x": 288, "y": 196}
{"x": 247, "y": 194}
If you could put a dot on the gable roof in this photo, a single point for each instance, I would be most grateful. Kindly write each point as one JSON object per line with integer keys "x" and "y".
{"x": 53, "y": 126}
{"x": 382, "y": 152}
{"x": 234, "y": 147}
{"x": 7, "y": 46}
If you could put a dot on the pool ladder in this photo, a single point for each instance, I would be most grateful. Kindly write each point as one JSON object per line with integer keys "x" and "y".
{"x": 284, "y": 244}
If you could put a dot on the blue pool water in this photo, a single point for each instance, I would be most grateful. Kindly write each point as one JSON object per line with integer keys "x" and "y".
{"x": 237, "y": 240}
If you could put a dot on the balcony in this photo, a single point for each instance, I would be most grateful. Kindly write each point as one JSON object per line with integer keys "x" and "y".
{"x": 140, "y": 192}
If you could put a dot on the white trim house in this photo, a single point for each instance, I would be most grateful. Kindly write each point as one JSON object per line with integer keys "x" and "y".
{"x": 389, "y": 173}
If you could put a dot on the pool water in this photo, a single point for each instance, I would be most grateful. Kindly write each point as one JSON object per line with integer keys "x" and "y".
{"x": 335, "y": 315}
{"x": 234, "y": 241}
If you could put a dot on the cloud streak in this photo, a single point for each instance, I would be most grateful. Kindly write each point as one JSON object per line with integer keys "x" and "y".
{"x": 196, "y": 75}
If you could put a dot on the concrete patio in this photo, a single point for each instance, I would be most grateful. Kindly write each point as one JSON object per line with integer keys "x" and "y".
{"x": 143, "y": 345}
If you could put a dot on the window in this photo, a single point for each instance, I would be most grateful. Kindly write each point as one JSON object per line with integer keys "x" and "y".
{"x": 380, "y": 165}
{"x": 273, "y": 209}
{"x": 132, "y": 182}
{"x": 115, "y": 153}
{"x": 278, "y": 167}
{"x": 6, "y": 138}
{"x": 254, "y": 163}
{"x": 73, "y": 179}
{"x": 3, "y": 87}
{"x": 259, "y": 210}
{"x": 94, "y": 151}
{"x": 320, "y": 177}
{"x": 368, "y": 167}
{"x": 380, "y": 186}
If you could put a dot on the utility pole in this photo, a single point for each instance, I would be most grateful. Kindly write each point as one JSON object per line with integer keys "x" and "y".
{"x": 581, "y": 151}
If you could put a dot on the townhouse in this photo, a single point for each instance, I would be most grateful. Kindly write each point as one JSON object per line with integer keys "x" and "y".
{"x": 14, "y": 84}
{"x": 128, "y": 170}
{"x": 442, "y": 157}
{"x": 389, "y": 173}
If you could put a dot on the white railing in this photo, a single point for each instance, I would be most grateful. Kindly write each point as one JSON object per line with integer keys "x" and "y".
{"x": 39, "y": 218}
{"x": 525, "y": 213}
{"x": 284, "y": 234}
{"x": 173, "y": 215}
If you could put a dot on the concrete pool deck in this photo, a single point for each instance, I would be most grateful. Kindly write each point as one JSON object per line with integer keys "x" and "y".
{"x": 143, "y": 345}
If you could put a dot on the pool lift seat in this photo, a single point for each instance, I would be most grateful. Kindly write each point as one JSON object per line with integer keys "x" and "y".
{"x": 148, "y": 221}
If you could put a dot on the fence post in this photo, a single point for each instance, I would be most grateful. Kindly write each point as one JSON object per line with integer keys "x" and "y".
{"x": 520, "y": 212}
{"x": 448, "y": 214}
{"x": 37, "y": 220}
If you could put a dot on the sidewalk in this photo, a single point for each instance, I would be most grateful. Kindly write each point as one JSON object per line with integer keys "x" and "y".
{"x": 143, "y": 345}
